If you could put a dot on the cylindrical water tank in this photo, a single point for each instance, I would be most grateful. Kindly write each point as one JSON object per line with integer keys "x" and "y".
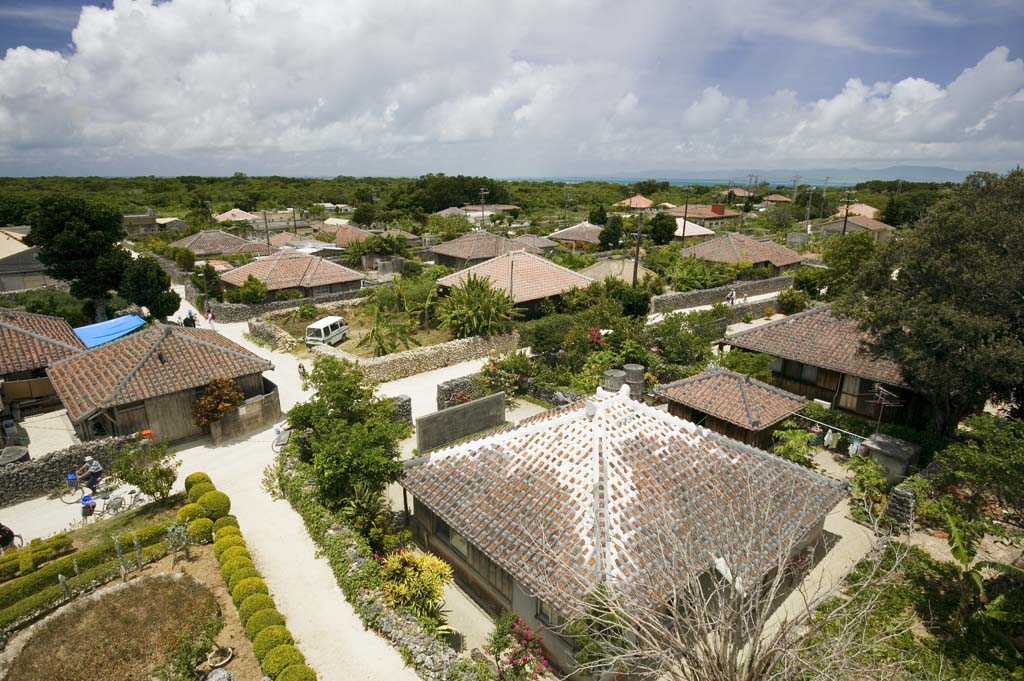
{"x": 613, "y": 379}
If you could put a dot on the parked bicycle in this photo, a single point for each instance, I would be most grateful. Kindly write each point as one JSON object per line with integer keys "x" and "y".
{"x": 116, "y": 503}
{"x": 281, "y": 437}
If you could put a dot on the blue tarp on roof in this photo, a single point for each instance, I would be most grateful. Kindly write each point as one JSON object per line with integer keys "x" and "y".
{"x": 112, "y": 329}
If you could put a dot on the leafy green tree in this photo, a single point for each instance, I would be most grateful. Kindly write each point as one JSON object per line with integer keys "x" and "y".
{"x": 663, "y": 228}
{"x": 943, "y": 300}
{"x": 908, "y": 207}
{"x": 206, "y": 280}
{"x": 598, "y": 215}
{"x": 252, "y": 291}
{"x": 475, "y": 308}
{"x": 781, "y": 217}
{"x": 611, "y": 235}
{"x": 794, "y": 444}
{"x": 145, "y": 283}
{"x": 754, "y": 364}
{"x": 218, "y": 397}
{"x": 846, "y": 256}
{"x": 150, "y": 466}
{"x": 792, "y": 300}
{"x": 365, "y": 214}
{"x": 685, "y": 338}
{"x": 57, "y": 304}
{"x": 78, "y": 241}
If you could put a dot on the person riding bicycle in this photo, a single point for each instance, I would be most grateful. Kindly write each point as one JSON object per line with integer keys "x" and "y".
{"x": 93, "y": 471}
{"x": 88, "y": 506}
{"x": 6, "y": 536}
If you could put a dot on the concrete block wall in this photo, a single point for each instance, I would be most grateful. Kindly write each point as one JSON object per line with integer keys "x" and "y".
{"x": 675, "y": 300}
{"x": 448, "y": 425}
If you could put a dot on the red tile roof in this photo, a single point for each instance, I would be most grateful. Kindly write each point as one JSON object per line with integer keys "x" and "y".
{"x": 160, "y": 360}
{"x": 736, "y": 398}
{"x": 292, "y": 270}
{"x": 282, "y": 238}
{"x": 33, "y": 341}
{"x": 731, "y": 248}
{"x": 869, "y": 224}
{"x": 536, "y": 241}
{"x": 529, "y": 276}
{"x": 583, "y": 232}
{"x": 661, "y": 481}
{"x": 738, "y": 192}
{"x": 347, "y": 234}
{"x": 777, "y": 198}
{"x": 636, "y": 201}
{"x": 701, "y": 211}
{"x": 478, "y": 245}
{"x": 819, "y": 338}
{"x": 217, "y": 242}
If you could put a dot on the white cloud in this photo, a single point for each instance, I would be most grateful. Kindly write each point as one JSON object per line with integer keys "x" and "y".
{"x": 538, "y": 86}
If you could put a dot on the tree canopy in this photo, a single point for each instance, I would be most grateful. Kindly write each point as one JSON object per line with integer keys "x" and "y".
{"x": 145, "y": 283}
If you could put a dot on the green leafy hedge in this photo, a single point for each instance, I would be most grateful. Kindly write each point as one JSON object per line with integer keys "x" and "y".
{"x": 261, "y": 619}
{"x": 216, "y": 503}
{"x": 280, "y": 658}
{"x": 297, "y": 672}
{"x": 201, "y": 530}
{"x": 40, "y": 550}
{"x": 253, "y": 604}
{"x": 270, "y": 638}
{"x": 226, "y": 521}
{"x": 198, "y": 490}
{"x": 195, "y": 479}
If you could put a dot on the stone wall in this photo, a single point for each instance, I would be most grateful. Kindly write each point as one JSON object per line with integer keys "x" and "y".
{"x": 403, "y": 409}
{"x": 902, "y": 506}
{"x": 675, "y": 300}
{"x": 273, "y": 335}
{"x": 240, "y": 312}
{"x": 254, "y": 414}
{"x": 31, "y": 479}
{"x": 13, "y": 295}
{"x": 460, "y": 390}
{"x": 427, "y": 358}
{"x": 448, "y": 425}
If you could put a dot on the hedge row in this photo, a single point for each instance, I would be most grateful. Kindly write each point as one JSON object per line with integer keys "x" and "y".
{"x": 40, "y": 551}
{"x": 272, "y": 643}
{"x": 46, "y": 576}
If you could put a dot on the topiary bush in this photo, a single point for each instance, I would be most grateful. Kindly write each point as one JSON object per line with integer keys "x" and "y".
{"x": 201, "y": 530}
{"x": 190, "y": 512}
{"x": 229, "y": 531}
{"x": 260, "y": 620}
{"x": 222, "y": 545}
{"x": 280, "y": 658}
{"x": 226, "y": 521}
{"x": 234, "y": 552}
{"x": 297, "y": 672}
{"x": 248, "y": 587}
{"x": 198, "y": 490}
{"x": 238, "y": 575}
{"x": 252, "y": 605}
{"x": 216, "y": 503}
{"x": 195, "y": 479}
{"x": 230, "y": 566}
{"x": 270, "y": 638}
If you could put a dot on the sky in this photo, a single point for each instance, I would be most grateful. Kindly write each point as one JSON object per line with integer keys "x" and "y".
{"x": 525, "y": 88}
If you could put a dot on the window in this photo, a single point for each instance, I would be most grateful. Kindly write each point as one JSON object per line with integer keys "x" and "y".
{"x": 547, "y": 614}
{"x": 809, "y": 373}
{"x": 490, "y": 571}
{"x": 453, "y": 538}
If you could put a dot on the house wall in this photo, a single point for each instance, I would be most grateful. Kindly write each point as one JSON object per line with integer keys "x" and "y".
{"x": 17, "y": 281}
{"x": 836, "y": 228}
{"x": 761, "y": 439}
{"x": 675, "y": 300}
{"x": 256, "y": 413}
{"x": 456, "y": 263}
{"x": 170, "y": 416}
{"x": 438, "y": 429}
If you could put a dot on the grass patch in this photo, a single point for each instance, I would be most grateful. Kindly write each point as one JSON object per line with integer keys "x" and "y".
{"x": 157, "y": 626}
{"x": 127, "y": 521}
{"x": 534, "y": 400}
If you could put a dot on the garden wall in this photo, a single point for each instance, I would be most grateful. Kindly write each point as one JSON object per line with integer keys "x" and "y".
{"x": 254, "y": 414}
{"x": 31, "y": 479}
{"x": 455, "y": 423}
{"x": 427, "y": 358}
{"x": 240, "y": 312}
{"x": 675, "y": 300}
{"x": 13, "y": 295}
{"x": 460, "y": 390}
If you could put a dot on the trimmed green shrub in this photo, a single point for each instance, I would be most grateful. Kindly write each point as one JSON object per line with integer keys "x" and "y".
{"x": 222, "y": 545}
{"x": 248, "y": 587}
{"x": 297, "y": 672}
{"x": 25, "y": 564}
{"x": 230, "y": 566}
{"x": 190, "y": 512}
{"x": 216, "y": 503}
{"x": 198, "y": 490}
{"x": 41, "y": 550}
{"x": 238, "y": 575}
{"x": 229, "y": 531}
{"x": 281, "y": 657}
{"x": 260, "y": 620}
{"x": 234, "y": 552}
{"x": 270, "y": 638}
{"x": 252, "y": 605}
{"x": 226, "y": 521}
{"x": 201, "y": 530}
{"x": 195, "y": 479}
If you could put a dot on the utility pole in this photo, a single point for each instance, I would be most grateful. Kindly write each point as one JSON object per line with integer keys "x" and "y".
{"x": 846, "y": 215}
{"x": 295, "y": 223}
{"x": 565, "y": 206}
{"x": 809, "y": 196}
{"x": 796, "y": 178}
{"x": 636, "y": 254}
{"x": 824, "y": 194}
{"x": 686, "y": 211}
{"x": 266, "y": 228}
{"x": 484, "y": 191}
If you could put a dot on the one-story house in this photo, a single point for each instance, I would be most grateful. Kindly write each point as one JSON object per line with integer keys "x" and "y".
{"x": 540, "y": 244}
{"x": 451, "y": 212}
{"x": 737, "y": 192}
{"x": 616, "y": 268}
{"x": 347, "y": 234}
{"x": 820, "y": 356}
{"x": 236, "y": 215}
{"x": 862, "y": 209}
{"x": 581, "y": 235}
{"x": 690, "y": 232}
{"x": 854, "y": 225}
{"x": 151, "y": 380}
{"x": 23, "y": 270}
{"x": 607, "y": 492}
{"x": 636, "y": 202}
{"x": 526, "y": 278}
{"x": 773, "y": 199}
{"x": 474, "y": 248}
{"x": 218, "y": 242}
{"x": 170, "y": 224}
{"x": 732, "y": 404}
{"x": 731, "y": 248}
{"x": 29, "y": 344}
{"x": 705, "y": 215}
{"x": 296, "y": 271}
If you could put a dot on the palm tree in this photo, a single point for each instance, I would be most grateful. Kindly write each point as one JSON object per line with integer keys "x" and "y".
{"x": 477, "y": 309}
{"x": 387, "y": 334}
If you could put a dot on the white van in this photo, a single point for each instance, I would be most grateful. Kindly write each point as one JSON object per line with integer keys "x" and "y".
{"x": 326, "y": 331}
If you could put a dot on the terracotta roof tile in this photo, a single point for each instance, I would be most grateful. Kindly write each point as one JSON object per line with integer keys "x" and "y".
{"x": 818, "y": 338}
{"x": 867, "y": 223}
{"x": 731, "y": 248}
{"x": 777, "y": 198}
{"x": 583, "y": 232}
{"x": 478, "y": 245}
{"x": 736, "y": 398}
{"x": 531, "y": 276}
{"x": 664, "y": 480}
{"x": 536, "y": 241}
{"x": 160, "y": 360}
{"x": 636, "y": 201}
{"x": 292, "y": 270}
{"x": 33, "y": 341}
{"x": 216, "y": 242}
{"x": 701, "y": 211}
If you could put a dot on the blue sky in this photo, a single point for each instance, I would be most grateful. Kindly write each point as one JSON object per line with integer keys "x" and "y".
{"x": 539, "y": 87}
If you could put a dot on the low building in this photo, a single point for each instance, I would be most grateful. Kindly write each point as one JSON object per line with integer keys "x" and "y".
{"x": 474, "y": 248}
{"x": 471, "y": 208}
{"x": 737, "y": 192}
{"x": 581, "y": 235}
{"x": 138, "y": 224}
{"x": 732, "y": 404}
{"x": 337, "y": 208}
{"x": 307, "y": 274}
{"x": 540, "y": 244}
{"x": 29, "y": 345}
{"x": 862, "y": 209}
{"x": 526, "y": 278}
{"x": 23, "y": 270}
{"x": 705, "y": 215}
{"x": 774, "y": 199}
{"x": 690, "y": 232}
{"x": 821, "y": 356}
{"x": 636, "y": 202}
{"x": 11, "y": 243}
{"x": 410, "y": 238}
{"x": 236, "y": 215}
{"x": 733, "y": 249}
{"x": 854, "y": 225}
{"x": 347, "y": 234}
{"x": 170, "y": 224}
{"x": 613, "y": 492}
{"x": 151, "y": 379}
{"x": 451, "y": 212}
{"x": 211, "y": 242}
{"x": 616, "y": 268}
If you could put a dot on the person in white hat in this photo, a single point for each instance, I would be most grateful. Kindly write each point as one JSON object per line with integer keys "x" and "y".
{"x": 93, "y": 471}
